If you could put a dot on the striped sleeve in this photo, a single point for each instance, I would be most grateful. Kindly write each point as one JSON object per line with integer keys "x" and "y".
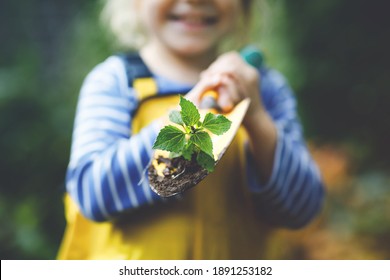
{"x": 107, "y": 164}
{"x": 294, "y": 193}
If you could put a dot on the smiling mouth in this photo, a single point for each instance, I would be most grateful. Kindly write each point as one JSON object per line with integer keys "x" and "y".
{"x": 194, "y": 20}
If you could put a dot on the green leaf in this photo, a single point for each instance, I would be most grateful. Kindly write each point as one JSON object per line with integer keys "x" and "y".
{"x": 170, "y": 139}
{"x": 175, "y": 117}
{"x": 189, "y": 112}
{"x": 217, "y": 124}
{"x": 206, "y": 161}
{"x": 203, "y": 141}
{"x": 188, "y": 150}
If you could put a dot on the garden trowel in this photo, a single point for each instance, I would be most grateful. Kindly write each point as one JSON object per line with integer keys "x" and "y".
{"x": 187, "y": 173}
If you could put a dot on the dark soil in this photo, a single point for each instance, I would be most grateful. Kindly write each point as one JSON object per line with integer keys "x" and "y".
{"x": 179, "y": 176}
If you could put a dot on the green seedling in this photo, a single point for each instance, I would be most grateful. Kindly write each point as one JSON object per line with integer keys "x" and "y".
{"x": 191, "y": 138}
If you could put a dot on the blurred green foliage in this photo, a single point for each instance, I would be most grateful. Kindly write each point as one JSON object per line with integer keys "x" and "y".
{"x": 342, "y": 53}
{"x": 332, "y": 52}
{"x": 50, "y": 47}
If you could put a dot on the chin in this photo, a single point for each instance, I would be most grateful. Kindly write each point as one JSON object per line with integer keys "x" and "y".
{"x": 193, "y": 49}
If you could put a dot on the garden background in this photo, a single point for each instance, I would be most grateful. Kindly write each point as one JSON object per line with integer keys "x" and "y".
{"x": 335, "y": 54}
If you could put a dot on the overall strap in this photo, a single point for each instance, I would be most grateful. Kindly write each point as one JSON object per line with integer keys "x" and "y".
{"x": 139, "y": 76}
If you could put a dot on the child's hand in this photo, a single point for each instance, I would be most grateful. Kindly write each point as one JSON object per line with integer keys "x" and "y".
{"x": 233, "y": 79}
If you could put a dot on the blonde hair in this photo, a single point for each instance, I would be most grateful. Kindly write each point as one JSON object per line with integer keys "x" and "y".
{"x": 122, "y": 20}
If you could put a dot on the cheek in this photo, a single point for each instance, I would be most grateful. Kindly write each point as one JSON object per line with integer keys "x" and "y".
{"x": 152, "y": 13}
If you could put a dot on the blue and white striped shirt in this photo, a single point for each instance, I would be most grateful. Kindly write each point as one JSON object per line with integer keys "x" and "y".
{"x": 107, "y": 163}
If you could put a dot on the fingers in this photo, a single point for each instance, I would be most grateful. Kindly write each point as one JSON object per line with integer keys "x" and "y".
{"x": 228, "y": 87}
{"x": 231, "y": 77}
{"x": 229, "y": 63}
{"x": 205, "y": 83}
{"x": 228, "y": 93}
{"x": 224, "y": 101}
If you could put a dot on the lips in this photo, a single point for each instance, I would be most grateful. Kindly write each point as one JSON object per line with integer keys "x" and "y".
{"x": 193, "y": 19}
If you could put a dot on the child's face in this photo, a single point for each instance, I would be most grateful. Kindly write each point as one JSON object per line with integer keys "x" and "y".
{"x": 189, "y": 27}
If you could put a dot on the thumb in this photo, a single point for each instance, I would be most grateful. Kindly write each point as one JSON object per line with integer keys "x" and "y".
{"x": 202, "y": 86}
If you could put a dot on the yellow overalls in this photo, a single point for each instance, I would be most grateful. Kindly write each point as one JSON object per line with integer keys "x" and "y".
{"x": 213, "y": 220}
